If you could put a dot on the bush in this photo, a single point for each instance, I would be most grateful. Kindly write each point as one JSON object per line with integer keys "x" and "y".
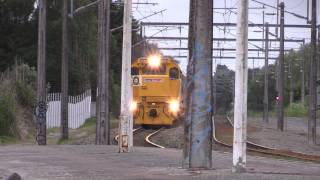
{"x": 7, "y": 112}
{"x": 296, "y": 110}
{"x": 25, "y": 85}
{"x": 25, "y": 94}
{"x": 17, "y": 93}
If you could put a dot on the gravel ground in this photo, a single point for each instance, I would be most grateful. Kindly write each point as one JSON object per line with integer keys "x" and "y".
{"x": 104, "y": 162}
{"x": 293, "y": 138}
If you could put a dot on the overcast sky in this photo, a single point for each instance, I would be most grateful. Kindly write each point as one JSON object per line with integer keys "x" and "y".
{"x": 178, "y": 11}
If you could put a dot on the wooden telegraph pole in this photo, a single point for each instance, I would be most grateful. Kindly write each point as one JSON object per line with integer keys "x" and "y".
{"x": 313, "y": 77}
{"x": 41, "y": 76}
{"x": 241, "y": 86}
{"x": 280, "y": 81}
{"x": 102, "y": 114}
{"x": 266, "y": 79}
{"x": 126, "y": 119}
{"x": 64, "y": 73}
{"x": 199, "y": 82}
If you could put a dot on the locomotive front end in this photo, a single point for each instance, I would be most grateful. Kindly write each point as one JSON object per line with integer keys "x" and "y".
{"x": 156, "y": 87}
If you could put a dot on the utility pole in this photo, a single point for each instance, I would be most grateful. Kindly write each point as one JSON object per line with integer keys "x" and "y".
{"x": 64, "y": 73}
{"x": 280, "y": 81}
{"x": 126, "y": 119}
{"x": 276, "y": 29}
{"x": 302, "y": 81}
{"x": 215, "y": 89}
{"x": 253, "y": 75}
{"x": 313, "y": 77}
{"x": 290, "y": 76}
{"x": 241, "y": 86}
{"x": 266, "y": 78}
{"x": 41, "y": 107}
{"x": 102, "y": 126}
{"x": 188, "y": 88}
{"x": 263, "y": 28}
{"x": 199, "y": 80}
{"x": 318, "y": 72}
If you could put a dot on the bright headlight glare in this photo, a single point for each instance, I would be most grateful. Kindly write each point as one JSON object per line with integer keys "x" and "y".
{"x": 154, "y": 61}
{"x": 133, "y": 106}
{"x": 174, "y": 106}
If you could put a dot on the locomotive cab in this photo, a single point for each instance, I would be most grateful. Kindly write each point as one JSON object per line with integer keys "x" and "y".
{"x": 156, "y": 84}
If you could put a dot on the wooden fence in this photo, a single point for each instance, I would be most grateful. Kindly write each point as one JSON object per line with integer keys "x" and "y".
{"x": 79, "y": 108}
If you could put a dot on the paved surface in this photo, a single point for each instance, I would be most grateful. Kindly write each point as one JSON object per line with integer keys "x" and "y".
{"x": 103, "y": 162}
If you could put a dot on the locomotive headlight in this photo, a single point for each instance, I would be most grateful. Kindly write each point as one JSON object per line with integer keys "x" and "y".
{"x": 174, "y": 106}
{"x": 133, "y": 106}
{"x": 154, "y": 61}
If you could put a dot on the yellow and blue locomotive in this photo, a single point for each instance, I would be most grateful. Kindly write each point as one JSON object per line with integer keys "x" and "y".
{"x": 156, "y": 83}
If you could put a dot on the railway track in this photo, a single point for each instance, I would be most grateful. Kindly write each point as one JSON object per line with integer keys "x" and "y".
{"x": 254, "y": 147}
{"x": 147, "y": 137}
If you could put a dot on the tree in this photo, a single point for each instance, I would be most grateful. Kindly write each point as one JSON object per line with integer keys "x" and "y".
{"x": 224, "y": 88}
{"x": 18, "y": 32}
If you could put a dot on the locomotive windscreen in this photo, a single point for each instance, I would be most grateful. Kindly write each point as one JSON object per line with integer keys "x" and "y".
{"x": 161, "y": 70}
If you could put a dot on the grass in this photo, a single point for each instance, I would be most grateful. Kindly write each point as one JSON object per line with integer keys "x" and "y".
{"x": 293, "y": 110}
{"x": 88, "y": 129}
{"x": 89, "y": 122}
{"x": 4, "y": 140}
{"x": 296, "y": 110}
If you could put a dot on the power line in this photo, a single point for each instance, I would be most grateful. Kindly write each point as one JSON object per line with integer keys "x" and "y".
{"x": 294, "y": 14}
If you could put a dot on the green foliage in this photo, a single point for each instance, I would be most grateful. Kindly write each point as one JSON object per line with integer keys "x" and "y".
{"x": 7, "y": 111}
{"x": 18, "y": 32}
{"x": 7, "y": 139}
{"x": 256, "y": 88}
{"x": 25, "y": 86}
{"x": 224, "y": 88}
{"x": 296, "y": 110}
{"x": 89, "y": 122}
{"x": 17, "y": 88}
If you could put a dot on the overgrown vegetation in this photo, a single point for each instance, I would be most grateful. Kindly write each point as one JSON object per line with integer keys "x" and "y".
{"x": 17, "y": 94}
{"x": 296, "y": 110}
{"x": 296, "y": 63}
{"x": 18, "y": 36}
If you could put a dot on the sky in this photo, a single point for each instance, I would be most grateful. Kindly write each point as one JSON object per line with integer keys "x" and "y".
{"x": 178, "y": 11}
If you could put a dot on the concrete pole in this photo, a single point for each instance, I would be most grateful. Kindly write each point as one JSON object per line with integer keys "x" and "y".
{"x": 188, "y": 87}
{"x": 64, "y": 74}
{"x": 126, "y": 119}
{"x": 276, "y": 29}
{"x": 199, "y": 82}
{"x": 318, "y": 66}
{"x": 290, "y": 76}
{"x": 263, "y": 28}
{"x": 280, "y": 113}
{"x": 253, "y": 75}
{"x": 241, "y": 86}
{"x": 41, "y": 107}
{"x": 266, "y": 78}
{"x": 302, "y": 81}
{"x": 102, "y": 114}
{"x": 313, "y": 78}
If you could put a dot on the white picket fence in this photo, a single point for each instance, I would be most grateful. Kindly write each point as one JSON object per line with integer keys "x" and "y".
{"x": 79, "y": 108}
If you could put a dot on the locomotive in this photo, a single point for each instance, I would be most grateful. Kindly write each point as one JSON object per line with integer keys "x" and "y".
{"x": 156, "y": 87}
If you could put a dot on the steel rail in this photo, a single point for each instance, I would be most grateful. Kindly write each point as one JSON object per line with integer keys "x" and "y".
{"x": 147, "y": 139}
{"x": 277, "y": 152}
{"x": 116, "y": 138}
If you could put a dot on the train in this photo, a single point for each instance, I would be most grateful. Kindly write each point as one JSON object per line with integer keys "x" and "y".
{"x": 157, "y": 91}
